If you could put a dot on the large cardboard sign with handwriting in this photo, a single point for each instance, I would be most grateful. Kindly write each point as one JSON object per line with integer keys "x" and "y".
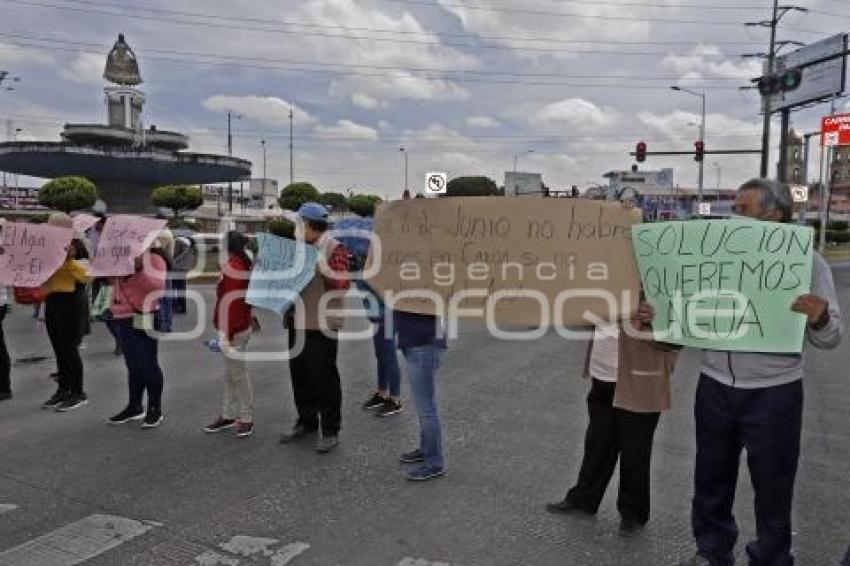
{"x": 514, "y": 260}
{"x": 726, "y": 284}
{"x": 284, "y": 268}
{"x": 124, "y": 238}
{"x": 31, "y": 253}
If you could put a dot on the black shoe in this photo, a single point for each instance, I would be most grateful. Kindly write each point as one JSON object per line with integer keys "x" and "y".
{"x": 220, "y": 424}
{"x": 566, "y": 507}
{"x": 126, "y": 416}
{"x": 629, "y": 529}
{"x": 5, "y": 396}
{"x": 153, "y": 418}
{"x": 72, "y": 401}
{"x": 297, "y": 433}
{"x": 54, "y": 401}
{"x": 412, "y": 457}
{"x": 695, "y": 560}
{"x": 376, "y": 401}
{"x": 118, "y": 351}
{"x": 389, "y": 408}
{"x": 327, "y": 444}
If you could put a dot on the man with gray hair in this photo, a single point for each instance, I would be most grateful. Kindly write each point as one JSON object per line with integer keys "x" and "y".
{"x": 755, "y": 401}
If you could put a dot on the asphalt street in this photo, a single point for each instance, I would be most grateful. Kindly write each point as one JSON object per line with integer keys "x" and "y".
{"x": 73, "y": 489}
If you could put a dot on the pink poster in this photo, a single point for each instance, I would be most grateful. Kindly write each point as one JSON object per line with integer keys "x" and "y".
{"x": 31, "y": 253}
{"x": 124, "y": 239}
{"x": 83, "y": 222}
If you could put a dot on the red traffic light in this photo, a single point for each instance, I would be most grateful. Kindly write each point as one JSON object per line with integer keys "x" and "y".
{"x": 699, "y": 151}
{"x": 640, "y": 152}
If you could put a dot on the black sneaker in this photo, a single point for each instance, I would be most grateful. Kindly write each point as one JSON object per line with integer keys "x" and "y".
{"x": 126, "y": 416}
{"x": 629, "y": 529}
{"x": 5, "y": 396}
{"x": 54, "y": 401}
{"x": 412, "y": 457}
{"x": 220, "y": 424}
{"x": 389, "y": 408}
{"x": 297, "y": 433}
{"x": 72, "y": 401}
{"x": 153, "y": 418}
{"x": 425, "y": 473}
{"x": 376, "y": 401}
{"x": 327, "y": 444}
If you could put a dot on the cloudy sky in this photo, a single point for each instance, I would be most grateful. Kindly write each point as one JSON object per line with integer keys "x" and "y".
{"x": 463, "y": 85}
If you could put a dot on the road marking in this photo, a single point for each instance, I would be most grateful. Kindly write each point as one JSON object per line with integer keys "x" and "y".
{"x": 6, "y": 507}
{"x": 241, "y": 545}
{"x": 76, "y": 542}
{"x": 407, "y": 561}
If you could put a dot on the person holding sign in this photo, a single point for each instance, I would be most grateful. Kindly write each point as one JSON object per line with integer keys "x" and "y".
{"x": 755, "y": 401}
{"x": 630, "y": 386}
{"x": 5, "y": 361}
{"x": 135, "y": 302}
{"x": 233, "y": 320}
{"x": 315, "y": 377}
{"x": 64, "y": 314}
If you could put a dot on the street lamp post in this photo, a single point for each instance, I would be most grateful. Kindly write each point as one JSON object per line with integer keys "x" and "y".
{"x": 520, "y": 154}
{"x": 700, "y": 181}
{"x": 263, "y": 143}
{"x": 404, "y": 151}
{"x": 230, "y": 153}
{"x": 717, "y": 168}
{"x": 291, "y": 149}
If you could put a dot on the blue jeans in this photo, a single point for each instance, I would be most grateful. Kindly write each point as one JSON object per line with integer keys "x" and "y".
{"x": 767, "y": 422}
{"x": 422, "y": 364}
{"x": 389, "y": 373}
{"x": 143, "y": 371}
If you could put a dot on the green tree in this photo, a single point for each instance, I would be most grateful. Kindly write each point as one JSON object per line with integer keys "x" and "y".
{"x": 336, "y": 201}
{"x": 282, "y": 227}
{"x": 179, "y": 198}
{"x": 294, "y": 195}
{"x": 68, "y": 194}
{"x": 472, "y": 187}
{"x": 363, "y": 205}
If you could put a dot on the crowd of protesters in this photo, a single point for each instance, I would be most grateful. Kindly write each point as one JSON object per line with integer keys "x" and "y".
{"x": 749, "y": 401}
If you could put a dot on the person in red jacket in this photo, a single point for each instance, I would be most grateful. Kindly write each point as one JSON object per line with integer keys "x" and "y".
{"x": 233, "y": 320}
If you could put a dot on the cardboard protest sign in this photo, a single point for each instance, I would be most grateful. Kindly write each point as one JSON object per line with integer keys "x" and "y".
{"x": 516, "y": 260}
{"x": 726, "y": 284}
{"x": 31, "y": 253}
{"x": 283, "y": 269}
{"x": 124, "y": 238}
{"x": 83, "y": 222}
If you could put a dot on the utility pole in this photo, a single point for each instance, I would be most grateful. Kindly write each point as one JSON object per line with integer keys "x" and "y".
{"x": 291, "y": 159}
{"x": 805, "y": 173}
{"x": 778, "y": 13}
{"x": 404, "y": 151}
{"x": 520, "y": 154}
{"x": 701, "y": 172}
{"x": 229, "y": 153}
{"x": 826, "y": 188}
{"x": 263, "y": 143}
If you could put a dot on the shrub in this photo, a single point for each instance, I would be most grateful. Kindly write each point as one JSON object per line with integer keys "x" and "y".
{"x": 68, "y": 194}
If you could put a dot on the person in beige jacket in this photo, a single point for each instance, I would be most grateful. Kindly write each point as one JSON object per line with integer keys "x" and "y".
{"x": 630, "y": 386}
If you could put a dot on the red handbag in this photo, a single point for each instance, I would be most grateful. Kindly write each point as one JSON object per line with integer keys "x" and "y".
{"x": 29, "y": 295}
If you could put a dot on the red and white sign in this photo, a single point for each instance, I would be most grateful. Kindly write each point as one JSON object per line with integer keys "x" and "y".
{"x": 835, "y": 130}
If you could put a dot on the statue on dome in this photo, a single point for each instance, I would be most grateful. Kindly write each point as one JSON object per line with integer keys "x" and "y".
{"x": 122, "y": 68}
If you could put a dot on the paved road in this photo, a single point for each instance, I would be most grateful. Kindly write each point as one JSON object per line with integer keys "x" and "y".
{"x": 74, "y": 489}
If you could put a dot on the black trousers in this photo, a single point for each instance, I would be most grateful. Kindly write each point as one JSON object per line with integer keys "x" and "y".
{"x": 767, "y": 422}
{"x": 62, "y": 316}
{"x": 5, "y": 362}
{"x": 315, "y": 381}
{"x": 614, "y": 434}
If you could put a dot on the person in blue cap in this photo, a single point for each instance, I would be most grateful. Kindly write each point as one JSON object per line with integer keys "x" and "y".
{"x": 315, "y": 377}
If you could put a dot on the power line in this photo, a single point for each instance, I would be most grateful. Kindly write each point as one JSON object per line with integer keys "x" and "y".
{"x": 459, "y": 79}
{"x": 232, "y": 26}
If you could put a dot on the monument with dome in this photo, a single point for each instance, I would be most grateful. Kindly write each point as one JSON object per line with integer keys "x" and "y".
{"x": 125, "y": 158}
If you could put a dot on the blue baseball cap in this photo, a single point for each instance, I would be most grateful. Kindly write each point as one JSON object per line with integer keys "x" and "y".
{"x": 313, "y": 211}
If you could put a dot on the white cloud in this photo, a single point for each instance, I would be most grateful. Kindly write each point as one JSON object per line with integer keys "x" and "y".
{"x": 482, "y": 122}
{"x": 575, "y": 114}
{"x": 11, "y": 55}
{"x": 365, "y": 101}
{"x": 266, "y": 109}
{"x": 400, "y": 86}
{"x": 674, "y": 125}
{"x": 347, "y": 129}
{"x": 707, "y": 61}
{"x": 86, "y": 68}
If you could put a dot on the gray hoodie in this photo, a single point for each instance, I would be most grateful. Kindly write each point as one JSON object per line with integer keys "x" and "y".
{"x": 754, "y": 370}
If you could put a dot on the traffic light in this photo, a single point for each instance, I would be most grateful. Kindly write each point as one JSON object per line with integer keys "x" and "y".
{"x": 785, "y": 81}
{"x": 699, "y": 151}
{"x": 640, "y": 152}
